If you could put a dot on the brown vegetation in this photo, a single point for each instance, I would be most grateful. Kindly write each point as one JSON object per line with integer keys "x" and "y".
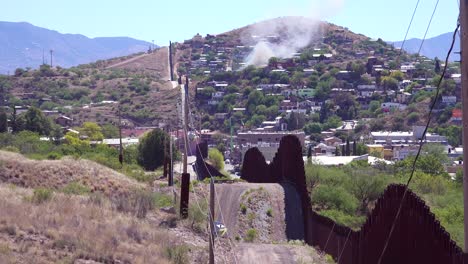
{"x": 56, "y": 174}
{"x": 70, "y": 229}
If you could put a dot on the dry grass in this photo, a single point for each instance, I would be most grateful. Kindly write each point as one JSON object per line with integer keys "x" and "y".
{"x": 71, "y": 228}
{"x": 56, "y": 174}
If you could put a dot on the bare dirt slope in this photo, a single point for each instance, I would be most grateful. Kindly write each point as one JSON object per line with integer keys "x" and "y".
{"x": 19, "y": 170}
{"x": 157, "y": 61}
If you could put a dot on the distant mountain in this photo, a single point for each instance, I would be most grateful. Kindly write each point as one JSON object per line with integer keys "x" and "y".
{"x": 433, "y": 47}
{"x": 22, "y": 45}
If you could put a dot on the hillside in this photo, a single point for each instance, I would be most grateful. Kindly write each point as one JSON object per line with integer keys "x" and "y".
{"x": 90, "y": 92}
{"x": 23, "y": 45}
{"x": 433, "y": 47}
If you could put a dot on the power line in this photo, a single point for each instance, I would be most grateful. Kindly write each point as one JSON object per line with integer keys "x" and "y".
{"x": 211, "y": 178}
{"x": 428, "y": 26}
{"x": 409, "y": 27}
{"x": 421, "y": 143}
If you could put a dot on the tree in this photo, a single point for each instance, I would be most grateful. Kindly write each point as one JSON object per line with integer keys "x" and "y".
{"x": 79, "y": 145}
{"x": 3, "y": 122}
{"x": 366, "y": 187}
{"x": 398, "y": 75}
{"x": 437, "y": 66}
{"x": 296, "y": 121}
{"x": 151, "y": 149}
{"x": 332, "y": 122}
{"x": 389, "y": 83}
{"x": 348, "y": 148}
{"x": 216, "y": 158}
{"x": 17, "y": 122}
{"x": 92, "y": 131}
{"x": 347, "y": 106}
{"x": 36, "y": 121}
{"x": 313, "y": 128}
{"x": 110, "y": 131}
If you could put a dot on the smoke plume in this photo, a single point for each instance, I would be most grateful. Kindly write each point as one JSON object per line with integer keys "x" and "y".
{"x": 282, "y": 37}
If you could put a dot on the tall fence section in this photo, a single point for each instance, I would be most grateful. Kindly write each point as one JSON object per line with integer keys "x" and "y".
{"x": 418, "y": 236}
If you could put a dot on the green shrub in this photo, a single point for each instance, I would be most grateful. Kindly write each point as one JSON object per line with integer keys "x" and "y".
{"x": 178, "y": 254}
{"x": 216, "y": 158}
{"x": 251, "y": 235}
{"x": 197, "y": 215}
{"x": 76, "y": 188}
{"x": 425, "y": 183}
{"x": 54, "y": 156}
{"x": 243, "y": 208}
{"x": 330, "y": 197}
{"x": 11, "y": 149}
{"x": 269, "y": 212}
{"x": 42, "y": 195}
{"x": 162, "y": 200}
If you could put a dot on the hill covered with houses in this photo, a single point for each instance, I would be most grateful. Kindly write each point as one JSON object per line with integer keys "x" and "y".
{"x": 337, "y": 84}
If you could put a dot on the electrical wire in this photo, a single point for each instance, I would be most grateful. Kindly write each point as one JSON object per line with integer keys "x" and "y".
{"x": 409, "y": 27}
{"x": 421, "y": 143}
{"x": 231, "y": 244}
{"x": 428, "y": 26}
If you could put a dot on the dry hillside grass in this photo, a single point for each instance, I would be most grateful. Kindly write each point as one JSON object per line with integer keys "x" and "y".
{"x": 74, "y": 229}
{"x": 56, "y": 174}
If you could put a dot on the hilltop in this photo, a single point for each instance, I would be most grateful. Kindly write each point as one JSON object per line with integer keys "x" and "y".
{"x": 23, "y": 45}
{"x": 91, "y": 92}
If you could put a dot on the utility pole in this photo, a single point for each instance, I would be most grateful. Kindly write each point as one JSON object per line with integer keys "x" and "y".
{"x": 212, "y": 215}
{"x": 184, "y": 192}
{"x": 170, "y": 181}
{"x": 464, "y": 88}
{"x": 231, "y": 144}
{"x": 51, "y": 51}
{"x": 171, "y": 67}
{"x": 43, "y": 57}
{"x": 120, "y": 139}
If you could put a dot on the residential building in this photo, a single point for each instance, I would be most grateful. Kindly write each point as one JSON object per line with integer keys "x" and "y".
{"x": 256, "y": 137}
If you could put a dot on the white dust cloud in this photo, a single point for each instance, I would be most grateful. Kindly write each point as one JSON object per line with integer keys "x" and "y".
{"x": 283, "y": 37}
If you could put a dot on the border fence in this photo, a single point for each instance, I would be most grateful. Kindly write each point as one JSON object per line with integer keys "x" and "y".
{"x": 418, "y": 236}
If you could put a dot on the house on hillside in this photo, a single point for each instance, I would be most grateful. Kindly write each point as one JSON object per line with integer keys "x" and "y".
{"x": 456, "y": 118}
{"x": 64, "y": 121}
{"x": 390, "y": 106}
{"x": 323, "y": 149}
{"x": 333, "y": 141}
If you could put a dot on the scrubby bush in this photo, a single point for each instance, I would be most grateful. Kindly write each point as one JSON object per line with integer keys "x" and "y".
{"x": 41, "y": 195}
{"x": 216, "y": 158}
{"x": 76, "y": 188}
{"x": 178, "y": 254}
{"x": 250, "y": 235}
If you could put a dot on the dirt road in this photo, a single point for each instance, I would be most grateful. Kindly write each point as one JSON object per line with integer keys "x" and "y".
{"x": 264, "y": 253}
{"x": 286, "y": 205}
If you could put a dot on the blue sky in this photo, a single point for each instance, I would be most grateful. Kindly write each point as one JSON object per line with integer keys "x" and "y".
{"x": 178, "y": 20}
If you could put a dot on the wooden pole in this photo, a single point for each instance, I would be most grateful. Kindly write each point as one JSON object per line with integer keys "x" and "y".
{"x": 171, "y": 165}
{"x": 464, "y": 87}
{"x": 212, "y": 218}
{"x": 184, "y": 196}
{"x": 120, "y": 140}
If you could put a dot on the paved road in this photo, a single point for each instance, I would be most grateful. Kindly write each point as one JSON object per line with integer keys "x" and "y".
{"x": 178, "y": 167}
